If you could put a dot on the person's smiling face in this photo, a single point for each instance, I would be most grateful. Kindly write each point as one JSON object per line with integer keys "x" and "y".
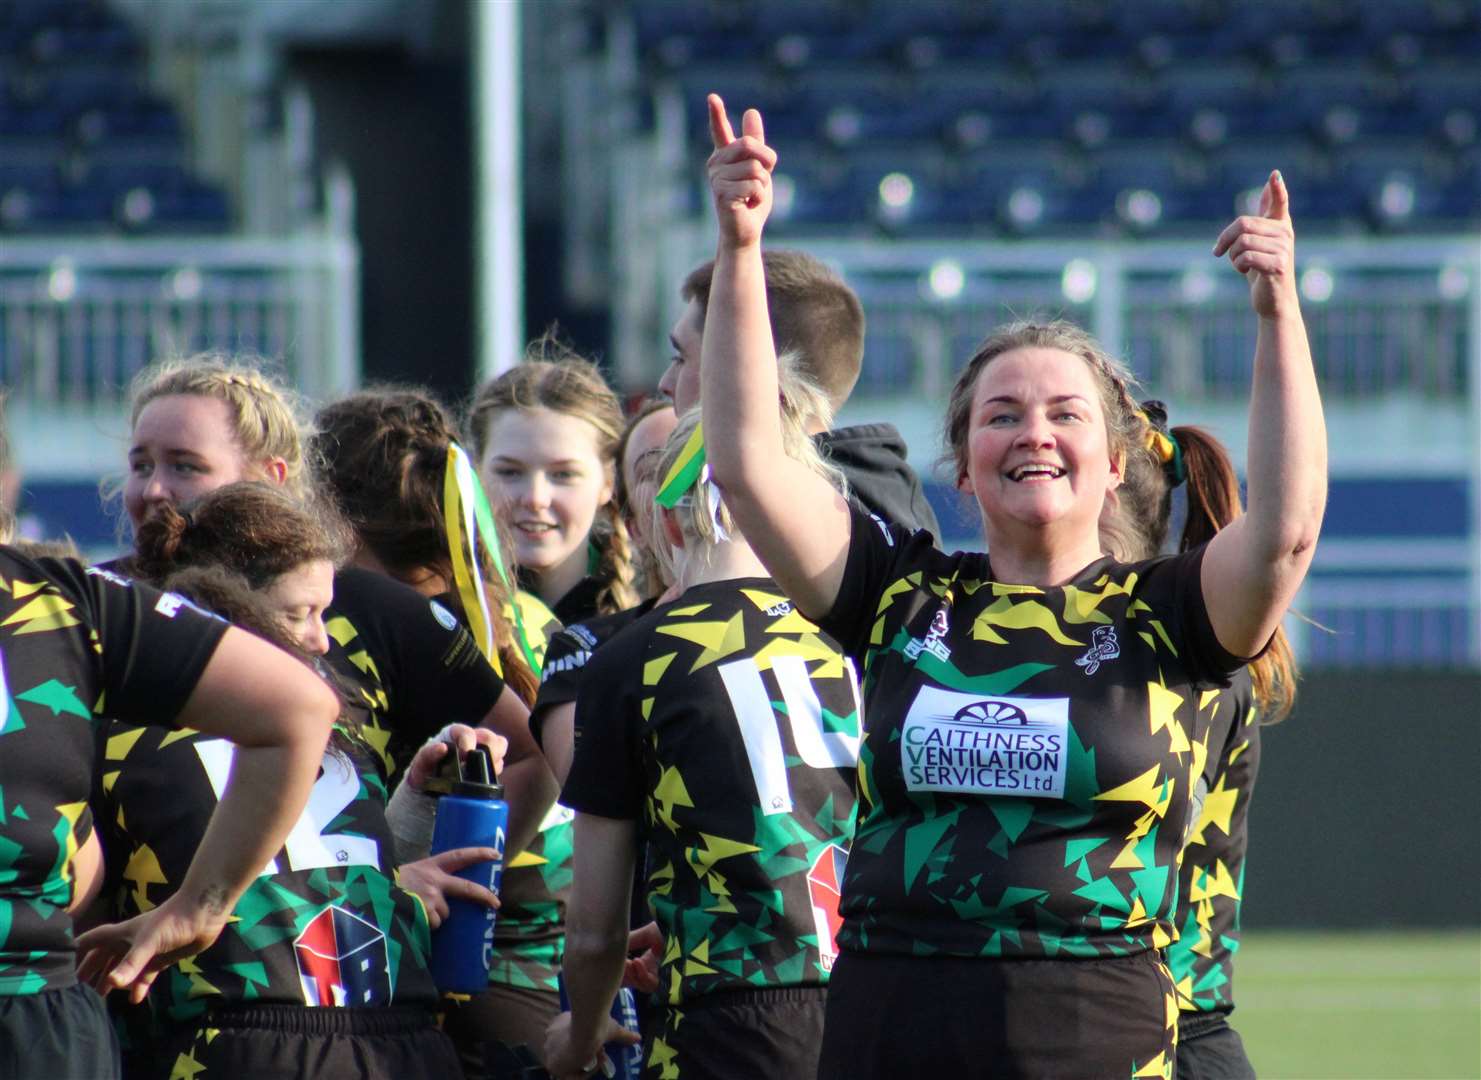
{"x": 547, "y": 478}
{"x": 1037, "y": 450}
{"x": 183, "y": 446}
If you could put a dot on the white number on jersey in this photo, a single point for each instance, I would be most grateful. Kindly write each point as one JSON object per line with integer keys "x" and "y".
{"x": 818, "y": 747}
{"x": 308, "y": 846}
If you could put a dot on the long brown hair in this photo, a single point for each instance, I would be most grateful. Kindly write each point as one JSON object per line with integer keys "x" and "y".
{"x": 553, "y": 376}
{"x": 382, "y": 453}
{"x": 1193, "y": 457}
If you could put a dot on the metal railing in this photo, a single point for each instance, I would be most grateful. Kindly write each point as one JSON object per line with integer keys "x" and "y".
{"x": 1395, "y": 325}
{"x": 79, "y": 317}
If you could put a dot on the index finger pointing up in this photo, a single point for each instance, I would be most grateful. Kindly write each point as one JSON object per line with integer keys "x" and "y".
{"x": 1275, "y": 201}
{"x": 720, "y": 130}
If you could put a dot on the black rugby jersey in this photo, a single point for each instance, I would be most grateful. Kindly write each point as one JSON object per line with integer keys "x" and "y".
{"x": 569, "y": 652}
{"x": 72, "y": 641}
{"x": 417, "y": 666}
{"x": 1211, "y": 882}
{"x": 1027, "y": 774}
{"x": 323, "y": 925}
{"x": 728, "y": 726}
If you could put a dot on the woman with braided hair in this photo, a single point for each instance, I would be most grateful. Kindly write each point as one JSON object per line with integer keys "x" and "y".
{"x": 1211, "y": 879}
{"x": 546, "y": 433}
{"x": 1033, "y": 733}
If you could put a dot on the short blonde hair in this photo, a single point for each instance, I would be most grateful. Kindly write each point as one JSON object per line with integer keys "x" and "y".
{"x": 803, "y": 405}
{"x": 267, "y": 417}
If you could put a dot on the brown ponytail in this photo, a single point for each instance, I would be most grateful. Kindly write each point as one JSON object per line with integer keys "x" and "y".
{"x": 382, "y": 454}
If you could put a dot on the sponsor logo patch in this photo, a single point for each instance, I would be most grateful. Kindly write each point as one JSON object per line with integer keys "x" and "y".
{"x": 824, "y": 886}
{"x": 446, "y": 619}
{"x": 978, "y": 745}
{"x": 342, "y": 961}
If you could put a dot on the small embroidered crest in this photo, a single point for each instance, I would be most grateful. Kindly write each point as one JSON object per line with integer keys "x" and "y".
{"x": 1103, "y": 646}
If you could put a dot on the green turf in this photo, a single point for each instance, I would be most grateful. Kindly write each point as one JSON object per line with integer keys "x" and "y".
{"x": 1360, "y": 1006}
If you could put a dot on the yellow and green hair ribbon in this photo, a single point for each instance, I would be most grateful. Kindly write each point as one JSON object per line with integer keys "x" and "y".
{"x": 469, "y": 523}
{"x": 686, "y": 471}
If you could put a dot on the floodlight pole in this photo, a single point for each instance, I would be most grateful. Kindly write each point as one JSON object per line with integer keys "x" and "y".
{"x": 498, "y": 200}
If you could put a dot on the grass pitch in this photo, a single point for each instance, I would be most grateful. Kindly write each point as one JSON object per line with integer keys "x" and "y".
{"x": 1360, "y": 1006}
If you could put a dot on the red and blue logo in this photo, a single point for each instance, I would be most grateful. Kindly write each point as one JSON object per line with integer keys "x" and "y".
{"x": 342, "y": 961}
{"x": 824, "y": 886}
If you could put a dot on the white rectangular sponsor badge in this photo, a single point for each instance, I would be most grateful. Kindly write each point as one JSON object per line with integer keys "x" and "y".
{"x": 979, "y": 744}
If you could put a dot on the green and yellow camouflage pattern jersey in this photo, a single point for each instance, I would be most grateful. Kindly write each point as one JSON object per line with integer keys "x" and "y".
{"x": 72, "y": 641}
{"x": 727, "y": 725}
{"x": 1211, "y": 883}
{"x": 530, "y": 934}
{"x": 1027, "y": 777}
{"x": 323, "y": 925}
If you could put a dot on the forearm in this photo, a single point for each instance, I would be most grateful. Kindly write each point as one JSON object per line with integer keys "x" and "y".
{"x": 738, "y": 373}
{"x": 1287, "y": 463}
{"x": 530, "y": 790}
{"x": 412, "y": 816}
{"x": 264, "y": 796}
{"x": 593, "y": 974}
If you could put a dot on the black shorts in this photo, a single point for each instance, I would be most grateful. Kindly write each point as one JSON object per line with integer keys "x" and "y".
{"x": 500, "y": 1033}
{"x": 287, "y": 1041}
{"x": 1209, "y": 1049}
{"x": 892, "y": 1016}
{"x": 57, "y": 1034}
{"x": 764, "y": 1034}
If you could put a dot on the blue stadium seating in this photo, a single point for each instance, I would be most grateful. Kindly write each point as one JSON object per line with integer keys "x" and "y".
{"x": 84, "y": 146}
{"x": 1080, "y": 102}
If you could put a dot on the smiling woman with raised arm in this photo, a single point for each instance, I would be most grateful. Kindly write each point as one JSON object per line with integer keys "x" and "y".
{"x": 1032, "y": 737}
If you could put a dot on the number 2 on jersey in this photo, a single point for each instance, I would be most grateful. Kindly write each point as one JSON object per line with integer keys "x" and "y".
{"x": 819, "y": 747}
{"x": 308, "y": 846}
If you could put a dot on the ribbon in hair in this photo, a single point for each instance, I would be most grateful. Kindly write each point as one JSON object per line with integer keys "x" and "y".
{"x": 468, "y": 521}
{"x": 688, "y": 469}
{"x": 1167, "y": 448}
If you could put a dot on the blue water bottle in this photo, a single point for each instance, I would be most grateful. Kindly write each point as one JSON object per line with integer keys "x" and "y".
{"x": 626, "y": 1061}
{"x": 472, "y": 814}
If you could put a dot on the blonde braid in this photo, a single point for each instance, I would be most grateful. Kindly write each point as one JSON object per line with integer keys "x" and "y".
{"x": 615, "y": 570}
{"x": 267, "y": 418}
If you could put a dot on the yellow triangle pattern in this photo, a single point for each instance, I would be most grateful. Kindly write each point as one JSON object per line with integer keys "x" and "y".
{"x": 719, "y": 639}
{"x": 119, "y": 745}
{"x": 653, "y": 669}
{"x": 1024, "y": 615}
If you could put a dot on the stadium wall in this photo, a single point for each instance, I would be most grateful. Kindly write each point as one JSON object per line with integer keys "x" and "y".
{"x": 1365, "y": 810}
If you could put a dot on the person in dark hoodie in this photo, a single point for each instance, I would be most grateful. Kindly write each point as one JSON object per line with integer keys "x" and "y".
{"x": 817, "y": 316}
